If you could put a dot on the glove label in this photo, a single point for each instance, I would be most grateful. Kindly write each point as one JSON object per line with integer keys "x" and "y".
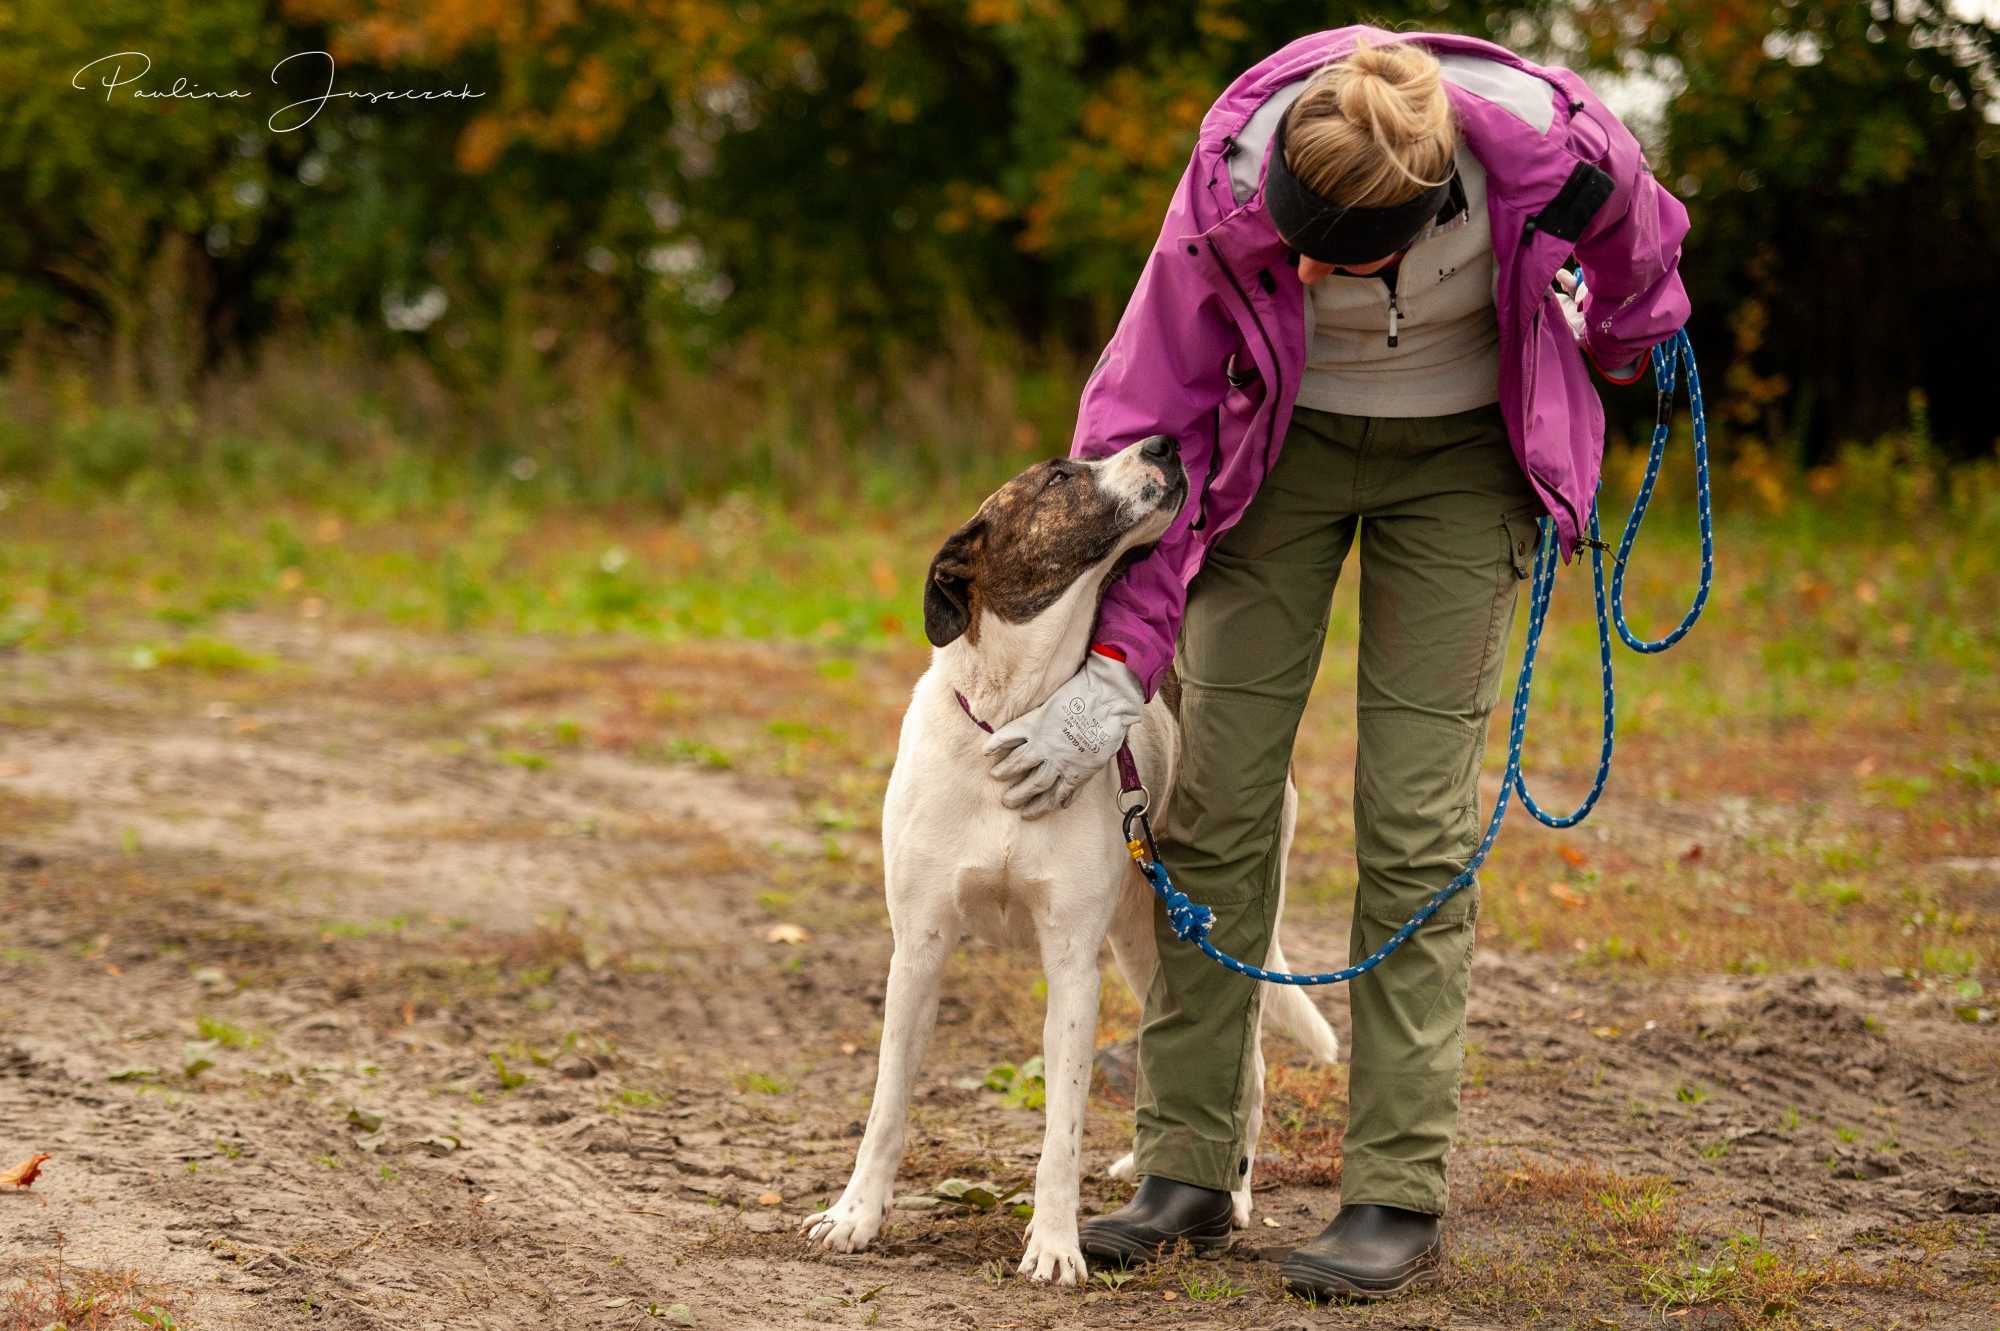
{"x": 1083, "y": 731}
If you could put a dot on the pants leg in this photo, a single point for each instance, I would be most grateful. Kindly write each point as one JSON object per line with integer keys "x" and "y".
{"x": 1249, "y": 650}
{"x": 1446, "y": 537}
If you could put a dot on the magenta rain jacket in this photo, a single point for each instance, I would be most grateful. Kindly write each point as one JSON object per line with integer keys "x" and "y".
{"x": 1213, "y": 343}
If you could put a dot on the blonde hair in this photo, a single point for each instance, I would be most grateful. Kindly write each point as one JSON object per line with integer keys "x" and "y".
{"x": 1373, "y": 129}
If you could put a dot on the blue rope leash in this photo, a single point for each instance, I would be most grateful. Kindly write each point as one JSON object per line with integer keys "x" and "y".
{"x": 1192, "y": 921}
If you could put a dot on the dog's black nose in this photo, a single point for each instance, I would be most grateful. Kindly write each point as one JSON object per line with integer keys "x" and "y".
{"x": 1159, "y": 448}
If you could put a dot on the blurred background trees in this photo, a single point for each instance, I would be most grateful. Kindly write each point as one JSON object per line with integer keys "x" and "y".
{"x": 675, "y": 233}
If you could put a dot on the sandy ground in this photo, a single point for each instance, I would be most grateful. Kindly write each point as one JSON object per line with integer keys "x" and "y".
{"x": 492, "y": 1043}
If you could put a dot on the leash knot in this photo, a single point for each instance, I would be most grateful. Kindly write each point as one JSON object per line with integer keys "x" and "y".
{"x": 1190, "y": 920}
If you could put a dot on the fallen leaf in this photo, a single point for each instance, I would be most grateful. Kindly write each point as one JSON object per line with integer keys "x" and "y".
{"x": 1605, "y": 1032}
{"x": 1691, "y": 854}
{"x": 134, "y": 1074}
{"x": 769, "y": 1199}
{"x": 786, "y": 933}
{"x": 1168, "y": 1295}
{"x": 1571, "y": 856}
{"x": 849, "y": 1047}
{"x": 25, "y": 1173}
{"x": 1567, "y": 895}
{"x": 368, "y": 1120}
{"x": 1270, "y": 1223}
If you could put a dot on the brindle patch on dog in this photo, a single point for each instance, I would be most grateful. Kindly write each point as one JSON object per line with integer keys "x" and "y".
{"x": 1026, "y": 546}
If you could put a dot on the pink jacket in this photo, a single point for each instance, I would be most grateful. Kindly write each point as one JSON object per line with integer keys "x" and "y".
{"x": 1212, "y": 345}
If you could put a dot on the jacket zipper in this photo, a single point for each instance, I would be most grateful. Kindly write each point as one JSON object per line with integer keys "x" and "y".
{"x": 1214, "y": 460}
{"x": 1395, "y": 310}
{"x": 1270, "y": 351}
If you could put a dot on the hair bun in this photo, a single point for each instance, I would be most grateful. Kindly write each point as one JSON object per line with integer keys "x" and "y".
{"x": 1374, "y": 127}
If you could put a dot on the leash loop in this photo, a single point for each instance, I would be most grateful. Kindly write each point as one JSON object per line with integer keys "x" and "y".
{"x": 1191, "y": 921}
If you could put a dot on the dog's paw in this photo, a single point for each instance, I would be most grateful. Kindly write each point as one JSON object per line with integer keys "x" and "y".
{"x": 846, "y": 1226}
{"x": 1124, "y": 1168}
{"x": 1051, "y": 1258}
{"x": 1239, "y": 1208}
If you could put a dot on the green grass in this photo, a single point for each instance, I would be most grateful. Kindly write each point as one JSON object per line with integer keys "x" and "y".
{"x": 225, "y": 1034}
{"x": 1816, "y": 744}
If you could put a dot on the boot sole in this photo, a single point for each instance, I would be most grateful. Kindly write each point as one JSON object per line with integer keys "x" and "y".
{"x": 1325, "y": 1286}
{"x": 1132, "y": 1250}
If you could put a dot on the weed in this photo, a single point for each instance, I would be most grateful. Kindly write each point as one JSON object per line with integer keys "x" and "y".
{"x": 225, "y": 1034}
{"x": 508, "y": 1079}
{"x": 56, "y": 1294}
{"x": 761, "y": 1083}
{"x": 1690, "y": 1094}
{"x": 1023, "y": 1087}
{"x": 202, "y": 655}
{"x": 1204, "y": 1288}
{"x": 1635, "y": 1205}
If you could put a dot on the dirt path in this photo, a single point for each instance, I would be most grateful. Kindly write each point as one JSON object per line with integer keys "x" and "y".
{"x": 334, "y": 1007}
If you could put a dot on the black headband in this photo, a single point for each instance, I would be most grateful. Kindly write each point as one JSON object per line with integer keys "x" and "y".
{"x": 1330, "y": 233}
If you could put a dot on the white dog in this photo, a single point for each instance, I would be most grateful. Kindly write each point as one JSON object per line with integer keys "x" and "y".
{"x": 1009, "y": 604}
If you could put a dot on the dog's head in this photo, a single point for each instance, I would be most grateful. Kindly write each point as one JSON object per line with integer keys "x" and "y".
{"x": 1055, "y": 523}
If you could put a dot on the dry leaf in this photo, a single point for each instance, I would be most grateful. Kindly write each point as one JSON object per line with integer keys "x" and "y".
{"x": 785, "y": 933}
{"x": 1567, "y": 895}
{"x": 25, "y": 1173}
{"x": 769, "y": 1199}
{"x": 1571, "y": 856}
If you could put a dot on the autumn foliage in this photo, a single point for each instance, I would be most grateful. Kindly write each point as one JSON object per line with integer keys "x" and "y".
{"x": 669, "y": 178}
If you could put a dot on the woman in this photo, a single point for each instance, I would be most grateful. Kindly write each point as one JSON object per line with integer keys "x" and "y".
{"x": 1356, "y": 318}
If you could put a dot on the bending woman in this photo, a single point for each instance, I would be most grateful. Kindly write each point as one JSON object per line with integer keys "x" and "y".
{"x": 1359, "y": 325}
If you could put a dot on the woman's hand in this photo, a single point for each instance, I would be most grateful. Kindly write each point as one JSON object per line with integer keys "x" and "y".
{"x": 1569, "y": 295}
{"x": 1050, "y": 752}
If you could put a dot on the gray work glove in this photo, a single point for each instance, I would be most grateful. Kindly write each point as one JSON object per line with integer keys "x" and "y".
{"x": 1050, "y": 752}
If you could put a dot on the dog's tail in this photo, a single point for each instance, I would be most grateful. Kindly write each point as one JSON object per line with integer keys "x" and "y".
{"x": 1293, "y": 1015}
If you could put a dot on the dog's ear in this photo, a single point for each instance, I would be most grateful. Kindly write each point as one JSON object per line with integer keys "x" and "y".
{"x": 948, "y": 585}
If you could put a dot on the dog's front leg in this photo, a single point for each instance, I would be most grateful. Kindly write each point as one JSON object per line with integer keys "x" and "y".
{"x": 908, "y": 1011}
{"x": 1069, "y": 1034}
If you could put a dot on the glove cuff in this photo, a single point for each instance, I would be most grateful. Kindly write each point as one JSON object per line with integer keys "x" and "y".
{"x": 1112, "y": 672}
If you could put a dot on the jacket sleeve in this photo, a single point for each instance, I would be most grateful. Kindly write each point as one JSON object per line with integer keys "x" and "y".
{"x": 1630, "y": 251}
{"x": 1162, "y": 373}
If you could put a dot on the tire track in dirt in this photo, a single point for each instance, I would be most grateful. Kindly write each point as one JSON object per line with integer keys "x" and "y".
{"x": 625, "y": 1174}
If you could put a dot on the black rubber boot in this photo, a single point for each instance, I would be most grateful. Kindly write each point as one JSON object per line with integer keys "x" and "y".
{"x": 1161, "y": 1211}
{"x": 1368, "y": 1252}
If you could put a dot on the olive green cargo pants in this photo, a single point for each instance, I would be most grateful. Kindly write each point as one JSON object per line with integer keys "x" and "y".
{"x": 1447, "y": 529}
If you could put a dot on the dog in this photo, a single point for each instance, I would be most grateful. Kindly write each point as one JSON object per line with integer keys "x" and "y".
{"x": 1009, "y": 605}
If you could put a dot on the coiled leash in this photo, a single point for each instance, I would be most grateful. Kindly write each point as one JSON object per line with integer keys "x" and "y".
{"x": 1192, "y": 921}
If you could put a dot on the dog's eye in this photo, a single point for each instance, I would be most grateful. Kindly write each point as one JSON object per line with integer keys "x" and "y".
{"x": 1056, "y": 477}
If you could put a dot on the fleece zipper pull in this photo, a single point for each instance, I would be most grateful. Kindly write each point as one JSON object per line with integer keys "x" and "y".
{"x": 1395, "y": 311}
